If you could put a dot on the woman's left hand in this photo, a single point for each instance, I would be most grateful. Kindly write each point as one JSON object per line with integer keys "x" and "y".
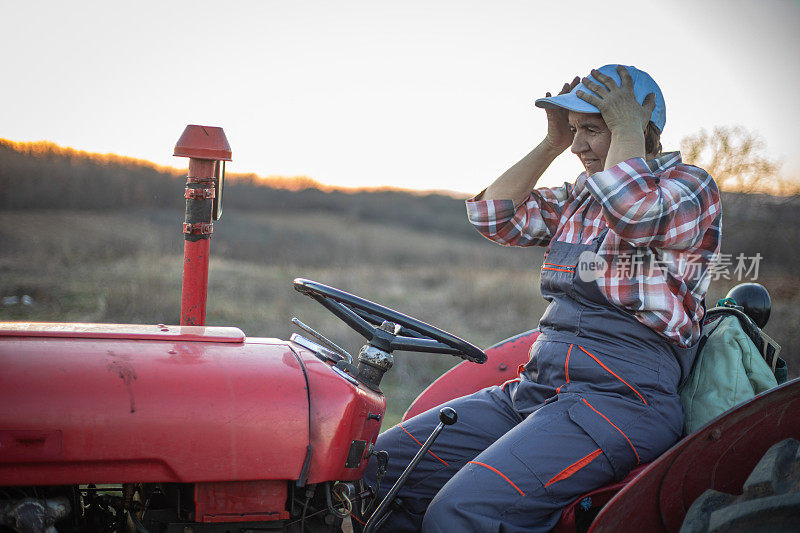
{"x": 617, "y": 104}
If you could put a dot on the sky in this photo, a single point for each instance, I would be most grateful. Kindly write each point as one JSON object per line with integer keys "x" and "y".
{"x": 413, "y": 94}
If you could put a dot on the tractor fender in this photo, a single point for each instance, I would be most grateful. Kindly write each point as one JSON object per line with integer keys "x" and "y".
{"x": 502, "y": 364}
{"x": 720, "y": 456}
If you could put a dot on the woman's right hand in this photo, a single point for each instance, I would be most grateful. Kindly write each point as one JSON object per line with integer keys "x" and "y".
{"x": 559, "y": 136}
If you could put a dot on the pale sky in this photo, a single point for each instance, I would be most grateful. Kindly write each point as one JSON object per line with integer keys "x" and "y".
{"x": 416, "y": 94}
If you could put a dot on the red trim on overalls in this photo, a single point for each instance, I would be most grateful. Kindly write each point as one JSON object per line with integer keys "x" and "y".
{"x": 520, "y": 369}
{"x": 562, "y": 268}
{"x": 566, "y": 369}
{"x": 420, "y": 445}
{"x": 574, "y": 467}
{"x": 615, "y": 426}
{"x": 557, "y": 265}
{"x": 503, "y": 386}
{"x": 493, "y": 469}
{"x": 613, "y": 374}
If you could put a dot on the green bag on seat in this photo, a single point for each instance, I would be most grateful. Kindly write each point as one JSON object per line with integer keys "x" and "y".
{"x": 729, "y": 369}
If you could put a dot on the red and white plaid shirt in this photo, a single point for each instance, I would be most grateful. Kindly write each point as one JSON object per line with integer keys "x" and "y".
{"x": 664, "y": 220}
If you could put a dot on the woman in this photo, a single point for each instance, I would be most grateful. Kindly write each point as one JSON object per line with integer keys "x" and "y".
{"x": 599, "y": 394}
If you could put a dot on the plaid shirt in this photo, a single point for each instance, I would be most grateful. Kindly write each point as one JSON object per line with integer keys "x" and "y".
{"x": 664, "y": 221}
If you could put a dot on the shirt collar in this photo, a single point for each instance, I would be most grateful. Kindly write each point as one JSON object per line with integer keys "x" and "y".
{"x": 656, "y": 165}
{"x": 581, "y": 181}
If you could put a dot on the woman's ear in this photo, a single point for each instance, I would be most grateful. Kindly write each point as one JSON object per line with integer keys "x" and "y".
{"x": 652, "y": 141}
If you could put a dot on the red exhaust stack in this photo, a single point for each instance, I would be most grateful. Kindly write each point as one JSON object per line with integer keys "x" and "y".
{"x": 207, "y": 149}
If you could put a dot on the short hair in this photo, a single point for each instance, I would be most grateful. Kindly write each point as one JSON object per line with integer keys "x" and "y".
{"x": 652, "y": 140}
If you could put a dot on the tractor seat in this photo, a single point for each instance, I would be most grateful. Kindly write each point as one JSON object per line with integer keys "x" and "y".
{"x": 579, "y": 514}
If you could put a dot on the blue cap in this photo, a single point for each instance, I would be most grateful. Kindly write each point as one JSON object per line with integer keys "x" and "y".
{"x": 643, "y": 85}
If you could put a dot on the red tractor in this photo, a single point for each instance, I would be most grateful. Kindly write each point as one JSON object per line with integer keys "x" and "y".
{"x": 188, "y": 428}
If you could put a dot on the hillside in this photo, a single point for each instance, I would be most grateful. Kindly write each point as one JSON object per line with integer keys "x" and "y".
{"x": 46, "y": 176}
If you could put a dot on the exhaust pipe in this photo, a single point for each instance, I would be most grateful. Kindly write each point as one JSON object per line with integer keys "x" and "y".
{"x": 207, "y": 149}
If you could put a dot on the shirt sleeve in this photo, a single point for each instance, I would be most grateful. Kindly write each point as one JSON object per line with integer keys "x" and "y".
{"x": 670, "y": 211}
{"x": 534, "y": 222}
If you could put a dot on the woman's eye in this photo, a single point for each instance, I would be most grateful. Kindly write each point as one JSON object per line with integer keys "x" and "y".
{"x": 573, "y": 130}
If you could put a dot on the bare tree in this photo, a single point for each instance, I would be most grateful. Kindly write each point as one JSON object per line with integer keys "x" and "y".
{"x": 734, "y": 157}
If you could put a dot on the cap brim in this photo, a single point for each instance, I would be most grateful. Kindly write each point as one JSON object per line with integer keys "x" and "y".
{"x": 566, "y": 101}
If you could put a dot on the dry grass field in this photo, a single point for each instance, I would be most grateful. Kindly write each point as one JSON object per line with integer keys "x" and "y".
{"x": 125, "y": 266}
{"x": 104, "y": 267}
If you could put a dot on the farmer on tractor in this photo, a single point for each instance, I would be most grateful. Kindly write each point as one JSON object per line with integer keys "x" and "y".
{"x": 625, "y": 274}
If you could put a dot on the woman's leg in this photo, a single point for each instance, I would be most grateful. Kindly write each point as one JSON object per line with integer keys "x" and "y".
{"x": 523, "y": 480}
{"x": 483, "y": 417}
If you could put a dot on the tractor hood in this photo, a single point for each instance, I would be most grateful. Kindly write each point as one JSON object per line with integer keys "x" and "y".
{"x": 95, "y": 403}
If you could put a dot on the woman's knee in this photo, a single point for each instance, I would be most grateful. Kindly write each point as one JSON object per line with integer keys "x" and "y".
{"x": 443, "y": 514}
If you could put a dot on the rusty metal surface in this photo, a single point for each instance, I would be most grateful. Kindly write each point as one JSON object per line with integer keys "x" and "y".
{"x": 199, "y": 194}
{"x": 199, "y": 208}
{"x": 199, "y": 228}
{"x": 719, "y": 456}
{"x": 240, "y": 501}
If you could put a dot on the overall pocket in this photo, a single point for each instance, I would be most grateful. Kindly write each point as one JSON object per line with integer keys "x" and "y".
{"x": 607, "y": 421}
{"x": 565, "y": 459}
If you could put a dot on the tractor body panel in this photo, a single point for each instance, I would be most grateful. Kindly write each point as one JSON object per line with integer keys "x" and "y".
{"x": 126, "y": 403}
{"x": 345, "y": 421}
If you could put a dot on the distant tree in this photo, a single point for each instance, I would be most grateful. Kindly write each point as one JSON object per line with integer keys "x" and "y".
{"x": 734, "y": 157}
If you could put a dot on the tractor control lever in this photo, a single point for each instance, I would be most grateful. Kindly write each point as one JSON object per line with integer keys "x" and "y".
{"x": 447, "y": 417}
{"x": 324, "y": 340}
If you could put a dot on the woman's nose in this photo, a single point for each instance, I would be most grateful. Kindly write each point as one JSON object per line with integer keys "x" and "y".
{"x": 579, "y": 144}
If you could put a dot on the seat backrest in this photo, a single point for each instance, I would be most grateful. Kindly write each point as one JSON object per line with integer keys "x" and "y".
{"x": 730, "y": 368}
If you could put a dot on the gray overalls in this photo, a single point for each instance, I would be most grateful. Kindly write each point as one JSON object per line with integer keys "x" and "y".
{"x": 598, "y": 397}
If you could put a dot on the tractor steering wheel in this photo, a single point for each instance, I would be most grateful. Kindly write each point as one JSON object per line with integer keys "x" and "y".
{"x": 367, "y": 317}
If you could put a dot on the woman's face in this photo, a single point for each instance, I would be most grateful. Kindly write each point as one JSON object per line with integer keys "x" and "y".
{"x": 592, "y": 140}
